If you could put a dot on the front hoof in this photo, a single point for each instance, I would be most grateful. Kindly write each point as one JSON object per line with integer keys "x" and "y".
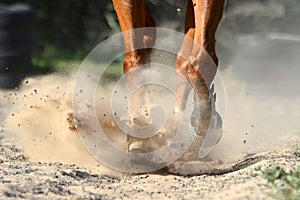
{"x": 136, "y": 146}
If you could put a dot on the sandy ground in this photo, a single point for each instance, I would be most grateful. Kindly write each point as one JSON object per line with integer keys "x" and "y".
{"x": 23, "y": 178}
{"x": 42, "y": 157}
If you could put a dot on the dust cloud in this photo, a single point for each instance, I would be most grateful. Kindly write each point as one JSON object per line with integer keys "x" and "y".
{"x": 262, "y": 108}
{"x": 38, "y": 117}
{"x": 262, "y": 95}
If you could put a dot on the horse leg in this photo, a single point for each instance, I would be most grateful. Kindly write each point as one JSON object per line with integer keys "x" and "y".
{"x": 133, "y": 14}
{"x": 149, "y": 35}
{"x": 183, "y": 86}
{"x": 203, "y": 60}
{"x": 139, "y": 107}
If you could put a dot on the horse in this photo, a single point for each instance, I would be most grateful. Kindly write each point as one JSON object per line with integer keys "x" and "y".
{"x": 201, "y": 22}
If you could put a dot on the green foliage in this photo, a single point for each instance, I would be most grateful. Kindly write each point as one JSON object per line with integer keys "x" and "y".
{"x": 283, "y": 184}
{"x": 52, "y": 58}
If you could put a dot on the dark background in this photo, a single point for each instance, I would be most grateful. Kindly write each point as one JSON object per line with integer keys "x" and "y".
{"x": 67, "y": 30}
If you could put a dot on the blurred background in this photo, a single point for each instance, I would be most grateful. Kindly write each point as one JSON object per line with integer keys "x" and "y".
{"x": 41, "y": 37}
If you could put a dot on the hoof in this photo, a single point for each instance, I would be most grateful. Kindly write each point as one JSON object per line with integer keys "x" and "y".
{"x": 142, "y": 145}
{"x": 207, "y": 125}
{"x": 136, "y": 146}
{"x": 213, "y": 136}
{"x": 143, "y": 161}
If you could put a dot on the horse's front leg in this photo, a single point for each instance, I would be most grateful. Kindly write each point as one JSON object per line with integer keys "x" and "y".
{"x": 183, "y": 87}
{"x": 134, "y": 17}
{"x": 203, "y": 60}
{"x": 131, "y": 17}
{"x": 196, "y": 67}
